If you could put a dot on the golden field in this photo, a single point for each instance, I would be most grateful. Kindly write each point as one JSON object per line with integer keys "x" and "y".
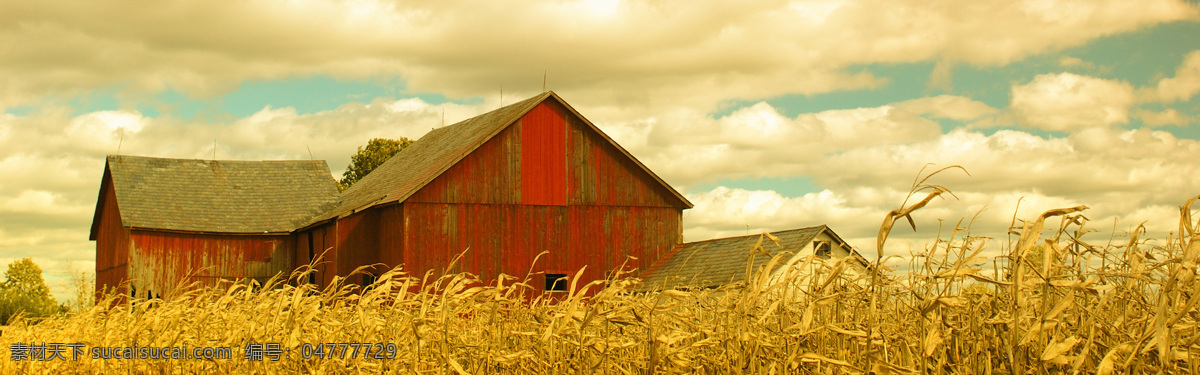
{"x": 1053, "y": 301}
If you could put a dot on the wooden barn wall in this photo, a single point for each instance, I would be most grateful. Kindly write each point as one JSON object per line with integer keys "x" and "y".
{"x": 599, "y": 174}
{"x": 358, "y": 243}
{"x": 544, "y": 155}
{"x": 322, "y": 239}
{"x": 301, "y": 249}
{"x": 112, "y": 245}
{"x": 507, "y": 238}
{"x": 310, "y": 246}
{"x": 159, "y": 261}
{"x": 326, "y": 240}
{"x": 491, "y": 174}
{"x": 391, "y": 236}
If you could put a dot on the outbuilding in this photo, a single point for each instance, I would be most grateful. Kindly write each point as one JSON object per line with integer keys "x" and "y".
{"x": 720, "y": 262}
{"x": 161, "y": 222}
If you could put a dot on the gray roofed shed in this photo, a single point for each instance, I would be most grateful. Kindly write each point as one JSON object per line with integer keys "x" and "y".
{"x": 722, "y": 261}
{"x": 218, "y": 196}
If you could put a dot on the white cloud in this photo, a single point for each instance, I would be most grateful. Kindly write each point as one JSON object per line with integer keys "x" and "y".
{"x": 948, "y": 107}
{"x": 1066, "y": 102}
{"x": 5, "y": 121}
{"x": 724, "y": 212}
{"x": 408, "y": 105}
{"x": 41, "y": 202}
{"x": 1075, "y": 62}
{"x": 1168, "y": 116}
{"x": 1142, "y": 167}
{"x": 702, "y": 53}
{"x": 688, "y": 147}
{"x": 1182, "y": 86}
{"x": 103, "y": 131}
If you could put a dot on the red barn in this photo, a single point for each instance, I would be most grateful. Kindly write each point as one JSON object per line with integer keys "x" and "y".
{"x": 530, "y": 177}
{"x": 159, "y": 222}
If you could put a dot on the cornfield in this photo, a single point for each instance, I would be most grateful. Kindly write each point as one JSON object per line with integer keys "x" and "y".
{"x": 1057, "y": 303}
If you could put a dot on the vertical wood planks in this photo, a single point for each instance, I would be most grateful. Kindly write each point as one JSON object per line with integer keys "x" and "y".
{"x": 544, "y": 156}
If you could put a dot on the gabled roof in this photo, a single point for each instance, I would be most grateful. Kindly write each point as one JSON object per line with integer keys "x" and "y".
{"x": 717, "y": 262}
{"x": 427, "y": 158}
{"x": 216, "y": 196}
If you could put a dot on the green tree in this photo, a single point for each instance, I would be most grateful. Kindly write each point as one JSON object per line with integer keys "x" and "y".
{"x": 377, "y": 151}
{"x": 24, "y": 291}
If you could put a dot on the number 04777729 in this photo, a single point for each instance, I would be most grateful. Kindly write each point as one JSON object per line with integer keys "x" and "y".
{"x": 353, "y": 350}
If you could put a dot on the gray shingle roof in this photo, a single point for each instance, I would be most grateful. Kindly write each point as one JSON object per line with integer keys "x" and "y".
{"x": 220, "y": 196}
{"x": 713, "y": 263}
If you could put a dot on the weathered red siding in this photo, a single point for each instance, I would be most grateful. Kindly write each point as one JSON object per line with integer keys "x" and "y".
{"x": 327, "y": 237}
{"x": 506, "y": 238}
{"x": 303, "y": 251}
{"x": 544, "y": 156}
{"x": 112, "y": 244}
{"x": 323, "y": 248}
{"x": 358, "y": 243}
{"x": 599, "y": 174}
{"x": 160, "y": 261}
{"x": 491, "y": 174}
{"x": 391, "y": 236}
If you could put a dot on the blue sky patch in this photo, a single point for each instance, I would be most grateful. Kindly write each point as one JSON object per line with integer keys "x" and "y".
{"x": 307, "y": 95}
{"x": 790, "y": 187}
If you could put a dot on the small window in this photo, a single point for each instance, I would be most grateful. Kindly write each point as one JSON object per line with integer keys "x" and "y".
{"x": 556, "y": 282}
{"x": 822, "y": 249}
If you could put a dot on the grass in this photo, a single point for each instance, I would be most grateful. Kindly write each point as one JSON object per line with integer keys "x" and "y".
{"x": 1048, "y": 304}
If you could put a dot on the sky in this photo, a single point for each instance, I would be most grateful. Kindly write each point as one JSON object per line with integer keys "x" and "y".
{"x": 767, "y": 115}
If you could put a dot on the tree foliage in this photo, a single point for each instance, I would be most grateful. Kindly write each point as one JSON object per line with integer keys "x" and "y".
{"x": 25, "y": 292}
{"x": 375, "y": 153}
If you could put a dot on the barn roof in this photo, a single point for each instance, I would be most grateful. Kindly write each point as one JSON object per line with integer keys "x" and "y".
{"x": 717, "y": 262}
{"x": 427, "y": 158}
{"x": 216, "y": 196}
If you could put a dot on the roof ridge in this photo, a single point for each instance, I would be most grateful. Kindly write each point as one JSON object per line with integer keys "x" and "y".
{"x": 126, "y": 156}
{"x": 756, "y": 234}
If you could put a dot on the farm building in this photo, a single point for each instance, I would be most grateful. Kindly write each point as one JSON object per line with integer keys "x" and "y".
{"x": 530, "y": 177}
{"x": 719, "y": 262}
{"x": 161, "y": 221}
